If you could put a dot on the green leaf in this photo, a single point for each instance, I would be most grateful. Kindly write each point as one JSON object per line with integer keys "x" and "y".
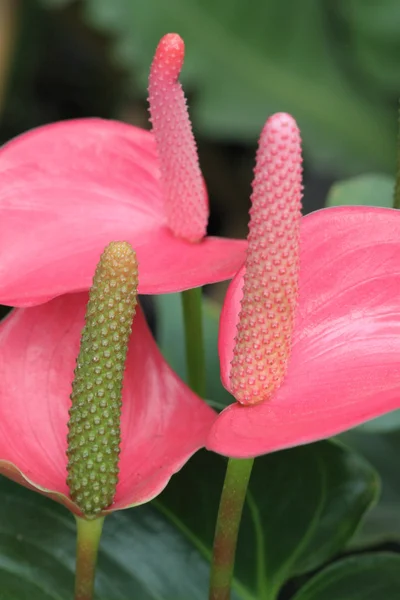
{"x": 170, "y": 329}
{"x": 141, "y": 554}
{"x": 368, "y": 577}
{"x": 248, "y": 60}
{"x": 382, "y": 523}
{"x": 303, "y": 506}
{"x": 365, "y": 190}
{"x": 383, "y": 424}
{"x": 373, "y": 44}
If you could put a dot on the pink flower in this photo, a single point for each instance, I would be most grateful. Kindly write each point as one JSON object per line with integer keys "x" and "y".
{"x": 69, "y": 188}
{"x": 309, "y": 340}
{"x": 163, "y": 422}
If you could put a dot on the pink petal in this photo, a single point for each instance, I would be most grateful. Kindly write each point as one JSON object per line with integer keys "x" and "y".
{"x": 70, "y": 188}
{"x": 345, "y": 363}
{"x": 163, "y": 422}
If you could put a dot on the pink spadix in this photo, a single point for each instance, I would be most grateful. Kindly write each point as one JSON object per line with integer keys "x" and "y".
{"x": 264, "y": 329}
{"x": 186, "y": 201}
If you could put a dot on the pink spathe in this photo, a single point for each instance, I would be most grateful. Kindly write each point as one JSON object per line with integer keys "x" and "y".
{"x": 342, "y": 294}
{"x": 163, "y": 422}
{"x": 344, "y": 366}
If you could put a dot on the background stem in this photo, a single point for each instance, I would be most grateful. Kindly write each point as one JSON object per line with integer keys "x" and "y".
{"x": 227, "y": 528}
{"x": 89, "y": 533}
{"x": 396, "y": 198}
{"x": 193, "y": 320}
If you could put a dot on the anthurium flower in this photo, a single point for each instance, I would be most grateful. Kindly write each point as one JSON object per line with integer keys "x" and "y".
{"x": 162, "y": 424}
{"x": 309, "y": 339}
{"x": 69, "y": 188}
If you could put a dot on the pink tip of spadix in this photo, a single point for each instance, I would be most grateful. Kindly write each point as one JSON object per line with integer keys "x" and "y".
{"x": 169, "y": 56}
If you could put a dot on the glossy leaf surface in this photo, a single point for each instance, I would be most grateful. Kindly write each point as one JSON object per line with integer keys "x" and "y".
{"x": 303, "y": 506}
{"x": 368, "y": 577}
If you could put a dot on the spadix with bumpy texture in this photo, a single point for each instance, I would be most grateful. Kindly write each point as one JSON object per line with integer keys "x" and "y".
{"x": 264, "y": 329}
{"x": 94, "y": 426}
{"x": 186, "y": 201}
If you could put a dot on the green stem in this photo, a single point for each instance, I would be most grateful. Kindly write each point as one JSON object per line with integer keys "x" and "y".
{"x": 227, "y": 528}
{"x": 89, "y": 533}
{"x": 396, "y": 198}
{"x": 193, "y": 320}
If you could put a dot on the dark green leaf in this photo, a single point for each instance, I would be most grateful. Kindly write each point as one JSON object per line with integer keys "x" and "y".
{"x": 141, "y": 555}
{"x": 365, "y": 190}
{"x": 304, "y": 505}
{"x": 348, "y": 498}
{"x": 368, "y": 577}
{"x": 383, "y": 424}
{"x": 382, "y": 523}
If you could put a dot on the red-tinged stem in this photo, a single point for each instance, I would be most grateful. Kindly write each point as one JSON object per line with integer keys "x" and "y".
{"x": 89, "y": 533}
{"x": 227, "y": 528}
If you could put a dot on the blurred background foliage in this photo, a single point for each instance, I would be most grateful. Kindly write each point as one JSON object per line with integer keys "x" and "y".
{"x": 332, "y": 63}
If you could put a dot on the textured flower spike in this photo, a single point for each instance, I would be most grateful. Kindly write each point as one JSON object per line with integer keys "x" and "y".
{"x": 185, "y": 192}
{"x": 94, "y": 427}
{"x": 266, "y": 319}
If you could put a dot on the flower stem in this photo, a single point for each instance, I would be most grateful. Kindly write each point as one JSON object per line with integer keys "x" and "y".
{"x": 227, "y": 528}
{"x": 396, "y": 198}
{"x": 193, "y": 320}
{"x": 89, "y": 533}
